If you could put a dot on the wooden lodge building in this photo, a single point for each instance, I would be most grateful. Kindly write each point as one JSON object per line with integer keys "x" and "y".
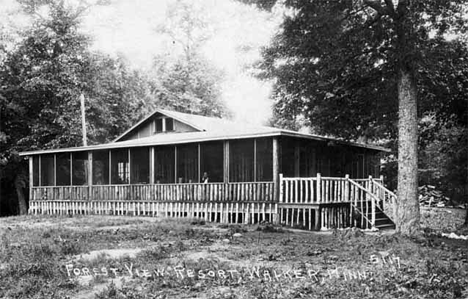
{"x": 181, "y": 165}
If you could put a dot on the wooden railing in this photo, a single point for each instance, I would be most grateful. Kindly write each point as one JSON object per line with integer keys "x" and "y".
{"x": 365, "y": 202}
{"x": 212, "y": 192}
{"x": 363, "y": 196}
{"x": 219, "y": 202}
{"x": 313, "y": 190}
{"x": 387, "y": 199}
{"x": 325, "y": 190}
{"x": 60, "y": 193}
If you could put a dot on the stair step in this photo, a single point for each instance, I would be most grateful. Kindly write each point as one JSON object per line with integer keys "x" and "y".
{"x": 385, "y": 226}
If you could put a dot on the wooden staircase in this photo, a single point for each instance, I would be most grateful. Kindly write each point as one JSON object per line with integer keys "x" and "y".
{"x": 332, "y": 202}
{"x": 377, "y": 211}
{"x": 363, "y": 216}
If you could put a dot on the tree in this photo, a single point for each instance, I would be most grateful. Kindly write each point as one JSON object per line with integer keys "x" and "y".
{"x": 356, "y": 69}
{"x": 41, "y": 80}
{"x": 190, "y": 82}
{"x": 38, "y": 80}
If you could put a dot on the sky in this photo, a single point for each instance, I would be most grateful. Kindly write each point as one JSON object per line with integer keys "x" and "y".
{"x": 238, "y": 31}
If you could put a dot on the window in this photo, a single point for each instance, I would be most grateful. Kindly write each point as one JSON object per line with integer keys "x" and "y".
{"x": 360, "y": 166}
{"x": 36, "y": 171}
{"x": 101, "y": 168}
{"x": 187, "y": 163}
{"x": 307, "y": 167}
{"x": 158, "y": 125}
{"x": 169, "y": 124}
{"x": 140, "y": 165}
{"x": 164, "y": 164}
{"x": 287, "y": 157}
{"x": 120, "y": 172}
{"x": 79, "y": 168}
{"x": 63, "y": 169}
{"x": 163, "y": 124}
{"x": 241, "y": 161}
{"x": 47, "y": 170}
{"x": 212, "y": 156}
{"x": 264, "y": 158}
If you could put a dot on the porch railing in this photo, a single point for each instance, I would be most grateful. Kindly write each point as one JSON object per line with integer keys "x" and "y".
{"x": 211, "y": 192}
{"x": 247, "y": 203}
{"x": 326, "y": 190}
{"x": 364, "y": 196}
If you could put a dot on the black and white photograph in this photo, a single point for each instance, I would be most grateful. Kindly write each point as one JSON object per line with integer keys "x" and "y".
{"x": 233, "y": 149}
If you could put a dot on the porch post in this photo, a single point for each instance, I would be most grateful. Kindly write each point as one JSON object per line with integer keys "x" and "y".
{"x": 55, "y": 170}
{"x": 276, "y": 177}
{"x": 40, "y": 170}
{"x": 90, "y": 174}
{"x": 175, "y": 165}
{"x": 198, "y": 163}
{"x": 319, "y": 188}
{"x": 348, "y": 198}
{"x": 226, "y": 161}
{"x": 371, "y": 191}
{"x": 31, "y": 171}
{"x": 110, "y": 167}
{"x": 151, "y": 166}
{"x": 129, "y": 159}
{"x": 71, "y": 168}
{"x": 255, "y": 161}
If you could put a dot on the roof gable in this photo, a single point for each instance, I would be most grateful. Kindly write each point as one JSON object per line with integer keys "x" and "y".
{"x": 192, "y": 123}
{"x": 147, "y": 125}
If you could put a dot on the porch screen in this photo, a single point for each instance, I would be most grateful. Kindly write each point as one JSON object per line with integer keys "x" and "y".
{"x": 101, "y": 168}
{"x": 287, "y": 157}
{"x": 187, "y": 163}
{"x": 164, "y": 164}
{"x": 47, "y": 170}
{"x": 79, "y": 168}
{"x": 120, "y": 171}
{"x": 241, "y": 161}
{"x": 63, "y": 169}
{"x": 373, "y": 165}
{"x": 139, "y": 161}
{"x": 264, "y": 161}
{"x": 35, "y": 170}
{"x": 211, "y": 156}
{"x": 307, "y": 167}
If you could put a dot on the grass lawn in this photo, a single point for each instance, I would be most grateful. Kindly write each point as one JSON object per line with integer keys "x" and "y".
{"x": 142, "y": 257}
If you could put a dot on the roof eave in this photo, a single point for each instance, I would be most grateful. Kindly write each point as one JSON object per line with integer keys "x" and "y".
{"x": 117, "y": 145}
{"x": 319, "y": 138}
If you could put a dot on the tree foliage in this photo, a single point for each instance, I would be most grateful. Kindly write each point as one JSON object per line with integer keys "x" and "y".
{"x": 41, "y": 80}
{"x": 356, "y": 69}
{"x": 335, "y": 63}
{"x": 190, "y": 82}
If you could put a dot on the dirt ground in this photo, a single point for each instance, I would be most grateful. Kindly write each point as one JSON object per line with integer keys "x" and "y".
{"x": 143, "y": 257}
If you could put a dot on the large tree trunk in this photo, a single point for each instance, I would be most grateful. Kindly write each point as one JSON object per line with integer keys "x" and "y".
{"x": 466, "y": 215}
{"x": 408, "y": 203}
{"x": 19, "y": 186}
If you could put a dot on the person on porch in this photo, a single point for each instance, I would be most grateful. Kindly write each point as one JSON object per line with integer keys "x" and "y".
{"x": 205, "y": 178}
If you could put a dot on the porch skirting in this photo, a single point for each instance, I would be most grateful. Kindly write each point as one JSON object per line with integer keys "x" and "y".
{"x": 223, "y": 212}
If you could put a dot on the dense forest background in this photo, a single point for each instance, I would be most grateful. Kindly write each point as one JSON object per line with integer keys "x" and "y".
{"x": 332, "y": 63}
{"x": 47, "y": 66}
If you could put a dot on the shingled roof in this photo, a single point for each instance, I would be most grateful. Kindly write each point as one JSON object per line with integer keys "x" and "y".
{"x": 205, "y": 129}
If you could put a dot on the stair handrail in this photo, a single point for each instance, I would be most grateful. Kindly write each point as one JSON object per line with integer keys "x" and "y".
{"x": 393, "y": 197}
{"x": 374, "y": 198}
{"x": 362, "y": 214}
